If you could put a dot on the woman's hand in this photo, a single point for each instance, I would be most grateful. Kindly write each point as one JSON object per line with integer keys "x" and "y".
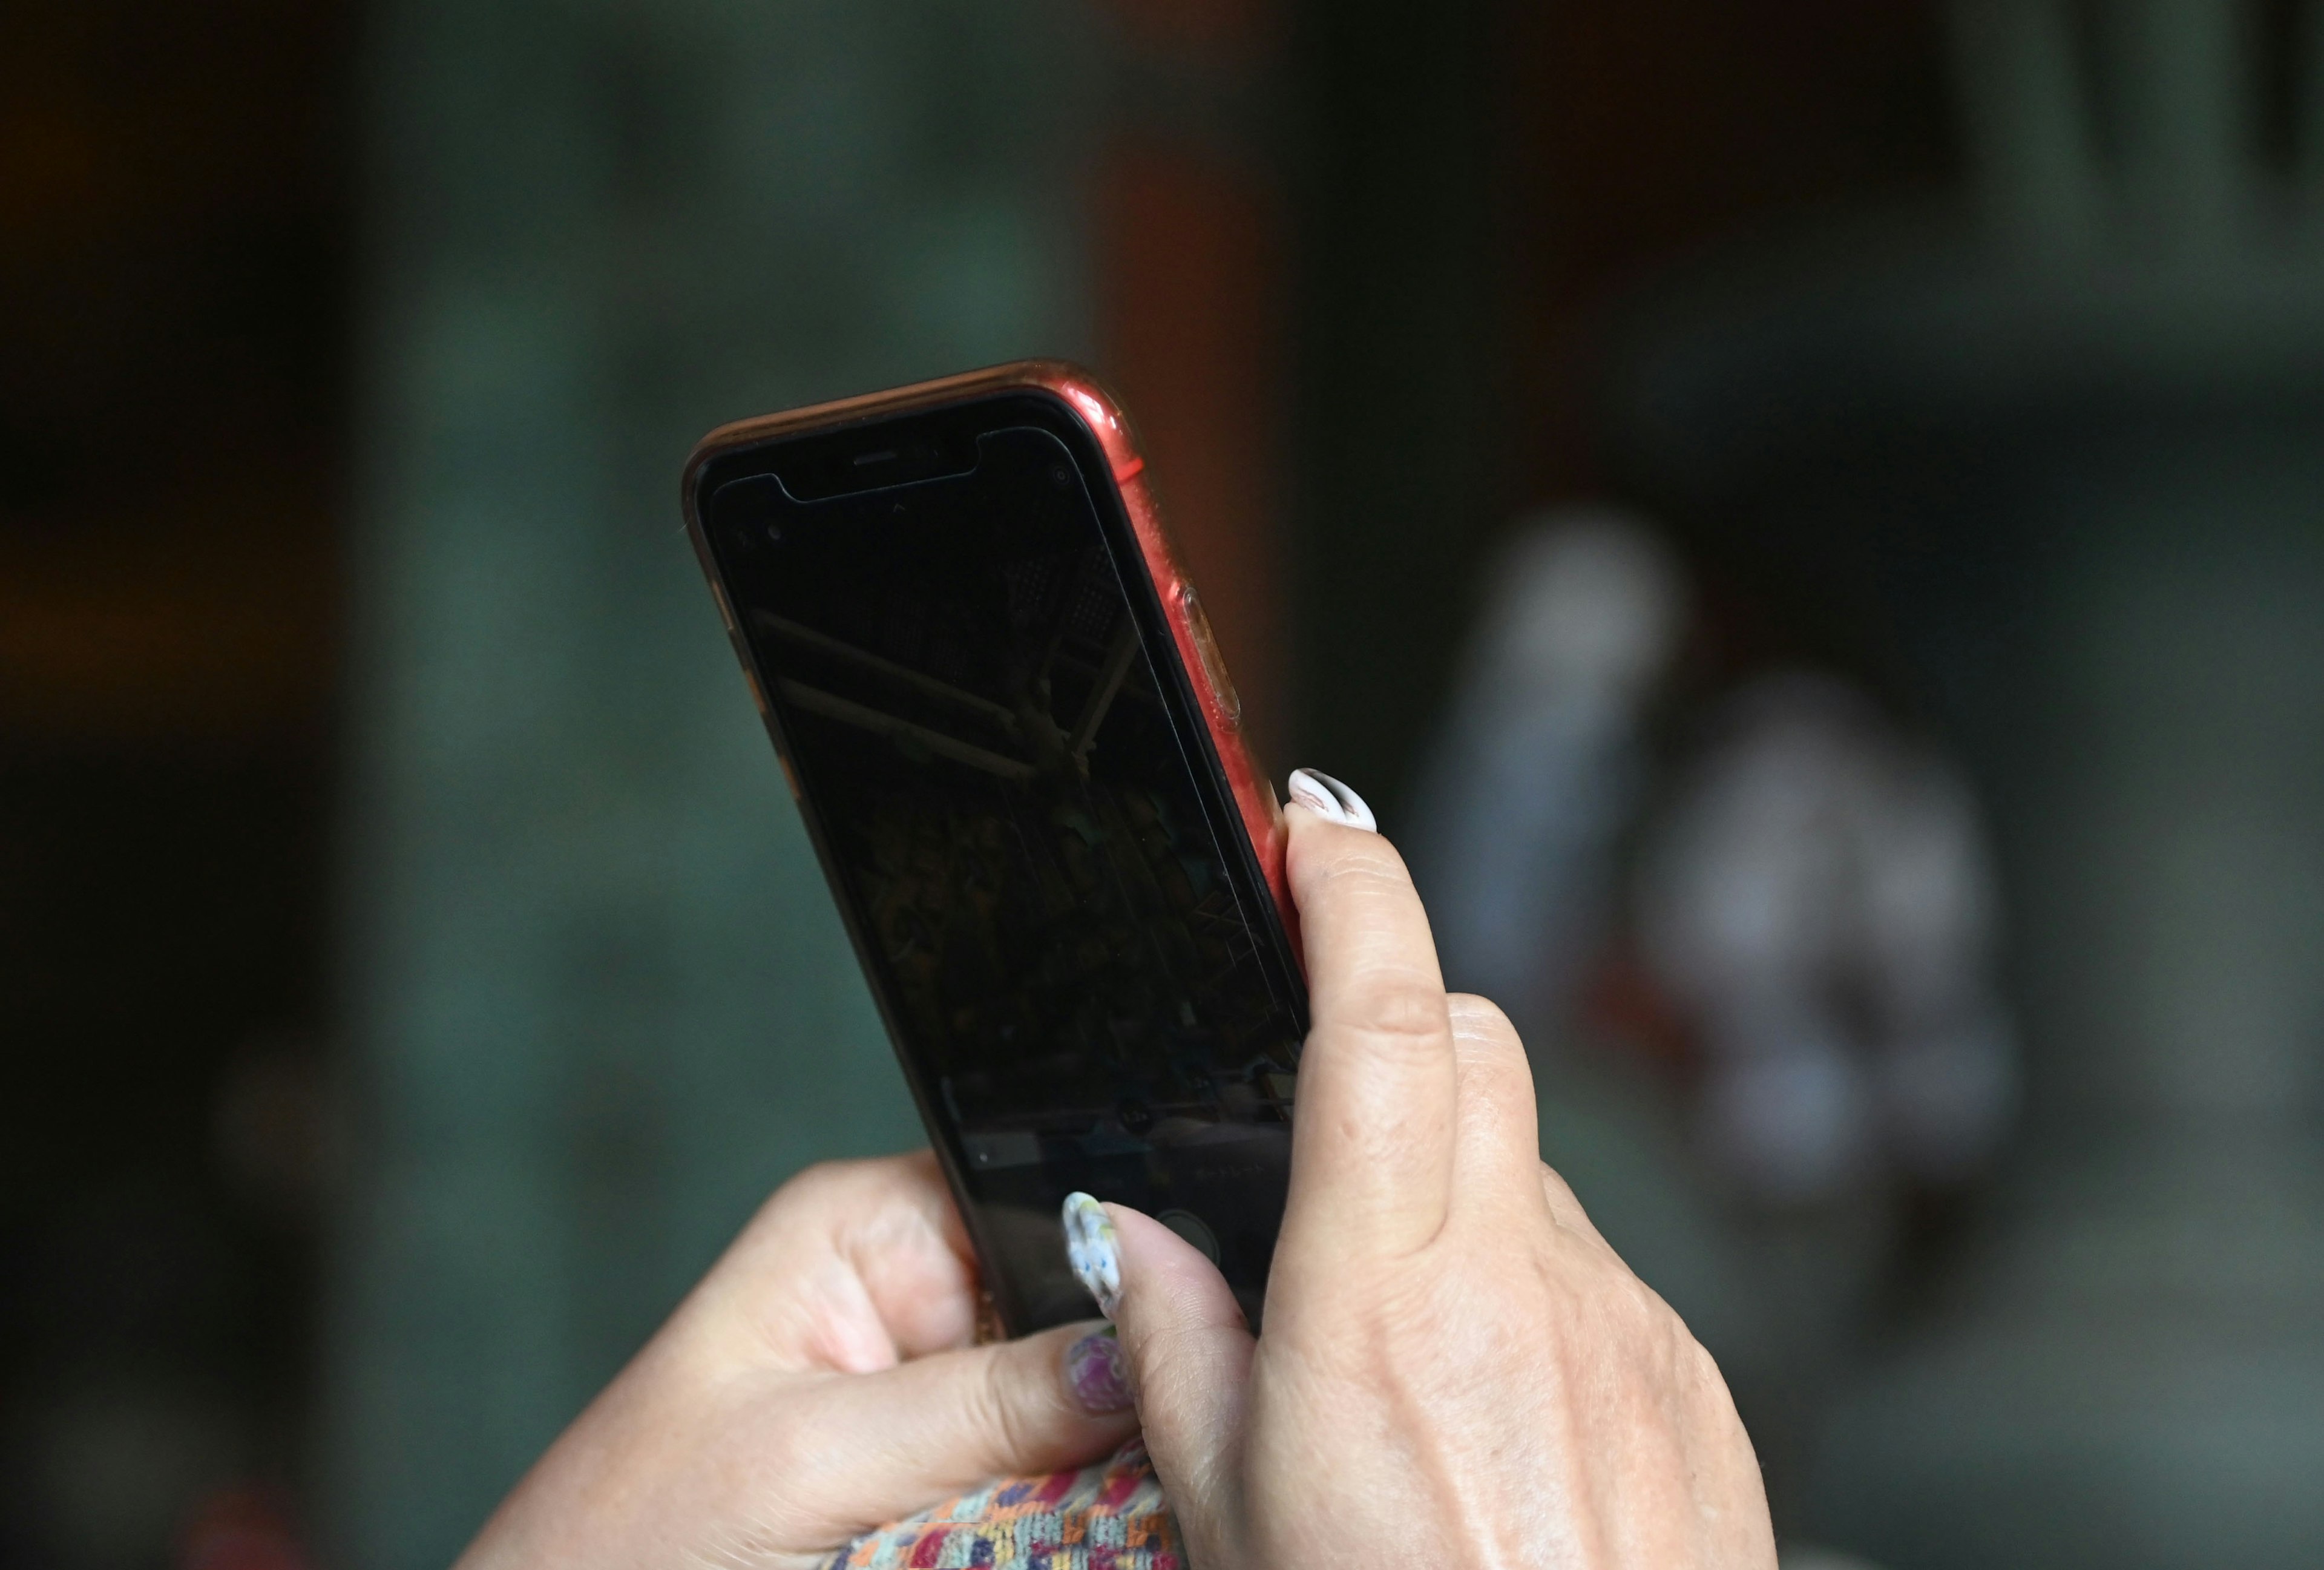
{"x": 820, "y": 1382}
{"x": 1455, "y": 1369}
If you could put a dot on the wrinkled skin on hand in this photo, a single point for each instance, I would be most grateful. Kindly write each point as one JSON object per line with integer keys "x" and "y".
{"x": 1456, "y": 1368}
{"x": 818, "y": 1382}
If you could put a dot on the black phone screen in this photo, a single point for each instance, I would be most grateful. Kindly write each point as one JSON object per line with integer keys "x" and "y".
{"x": 1021, "y": 816}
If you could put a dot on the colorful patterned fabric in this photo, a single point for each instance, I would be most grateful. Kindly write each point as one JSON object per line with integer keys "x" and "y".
{"x": 1109, "y": 1517}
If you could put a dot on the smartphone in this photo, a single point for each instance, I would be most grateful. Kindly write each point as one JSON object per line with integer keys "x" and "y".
{"x": 1005, "y": 720}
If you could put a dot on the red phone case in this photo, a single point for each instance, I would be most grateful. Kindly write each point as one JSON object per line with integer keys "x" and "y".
{"x": 1198, "y": 650}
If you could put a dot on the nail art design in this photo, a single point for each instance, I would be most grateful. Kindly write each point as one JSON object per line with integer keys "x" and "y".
{"x": 1097, "y": 1374}
{"x": 1326, "y": 798}
{"x": 1094, "y": 1250}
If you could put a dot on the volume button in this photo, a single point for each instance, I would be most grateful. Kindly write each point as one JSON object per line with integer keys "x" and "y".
{"x": 1206, "y": 650}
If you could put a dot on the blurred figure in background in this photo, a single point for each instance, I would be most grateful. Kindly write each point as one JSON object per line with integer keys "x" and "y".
{"x": 2054, "y": 445}
{"x": 1541, "y": 767}
{"x": 1812, "y": 896}
{"x": 1747, "y": 924}
{"x": 1818, "y": 899}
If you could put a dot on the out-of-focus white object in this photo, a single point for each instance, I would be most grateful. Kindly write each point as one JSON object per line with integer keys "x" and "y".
{"x": 1819, "y": 899}
{"x": 1539, "y": 771}
{"x": 1793, "y": 1557}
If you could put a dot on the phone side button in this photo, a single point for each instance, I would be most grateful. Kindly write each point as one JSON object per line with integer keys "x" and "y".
{"x": 1206, "y": 650}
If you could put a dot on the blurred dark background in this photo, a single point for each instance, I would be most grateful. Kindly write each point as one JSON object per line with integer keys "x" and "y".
{"x": 1807, "y": 520}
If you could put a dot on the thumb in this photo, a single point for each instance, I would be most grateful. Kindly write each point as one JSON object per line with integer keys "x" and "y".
{"x": 1190, "y": 1353}
{"x": 889, "y": 1444}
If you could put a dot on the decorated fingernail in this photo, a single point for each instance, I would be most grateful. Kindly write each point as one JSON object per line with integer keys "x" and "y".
{"x": 1097, "y": 1374}
{"x": 1326, "y": 798}
{"x": 1094, "y": 1251}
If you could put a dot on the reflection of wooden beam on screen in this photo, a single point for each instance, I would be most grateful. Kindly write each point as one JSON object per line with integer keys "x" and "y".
{"x": 1109, "y": 683}
{"x": 1094, "y": 669}
{"x": 782, "y": 626}
{"x": 817, "y": 701}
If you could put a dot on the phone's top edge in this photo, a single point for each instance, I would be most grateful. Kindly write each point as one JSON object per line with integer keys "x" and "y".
{"x": 1080, "y": 391}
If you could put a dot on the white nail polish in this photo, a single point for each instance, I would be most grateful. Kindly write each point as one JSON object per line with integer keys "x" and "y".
{"x": 1094, "y": 1250}
{"x": 1326, "y": 798}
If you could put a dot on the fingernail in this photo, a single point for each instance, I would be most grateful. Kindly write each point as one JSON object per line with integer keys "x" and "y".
{"x": 1097, "y": 1374}
{"x": 1326, "y": 798}
{"x": 1094, "y": 1250}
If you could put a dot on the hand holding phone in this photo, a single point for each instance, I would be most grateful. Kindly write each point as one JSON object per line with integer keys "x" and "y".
{"x": 1456, "y": 1368}
{"x": 1071, "y": 890}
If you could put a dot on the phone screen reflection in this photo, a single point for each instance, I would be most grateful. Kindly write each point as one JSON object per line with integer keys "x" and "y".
{"x": 1001, "y": 782}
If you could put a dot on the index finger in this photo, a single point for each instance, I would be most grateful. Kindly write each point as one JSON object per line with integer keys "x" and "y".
{"x": 1372, "y": 1138}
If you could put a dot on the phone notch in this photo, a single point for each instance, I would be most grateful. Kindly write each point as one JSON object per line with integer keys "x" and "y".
{"x": 850, "y": 463}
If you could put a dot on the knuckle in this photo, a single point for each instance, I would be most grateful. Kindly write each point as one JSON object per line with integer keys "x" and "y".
{"x": 807, "y": 1191}
{"x": 999, "y": 1411}
{"x": 1642, "y": 1307}
{"x": 1684, "y": 1365}
{"x": 1571, "y": 1215}
{"x": 828, "y": 1180}
{"x": 1396, "y": 1012}
{"x": 820, "y": 1178}
{"x": 815, "y": 1194}
{"x": 1486, "y": 1038}
{"x": 1479, "y": 1016}
{"x": 1698, "y": 1369}
{"x": 1377, "y": 854}
{"x": 1370, "y": 867}
{"x": 1560, "y": 1191}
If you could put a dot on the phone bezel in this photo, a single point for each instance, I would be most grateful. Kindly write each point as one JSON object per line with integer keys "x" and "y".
{"x": 1192, "y": 721}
